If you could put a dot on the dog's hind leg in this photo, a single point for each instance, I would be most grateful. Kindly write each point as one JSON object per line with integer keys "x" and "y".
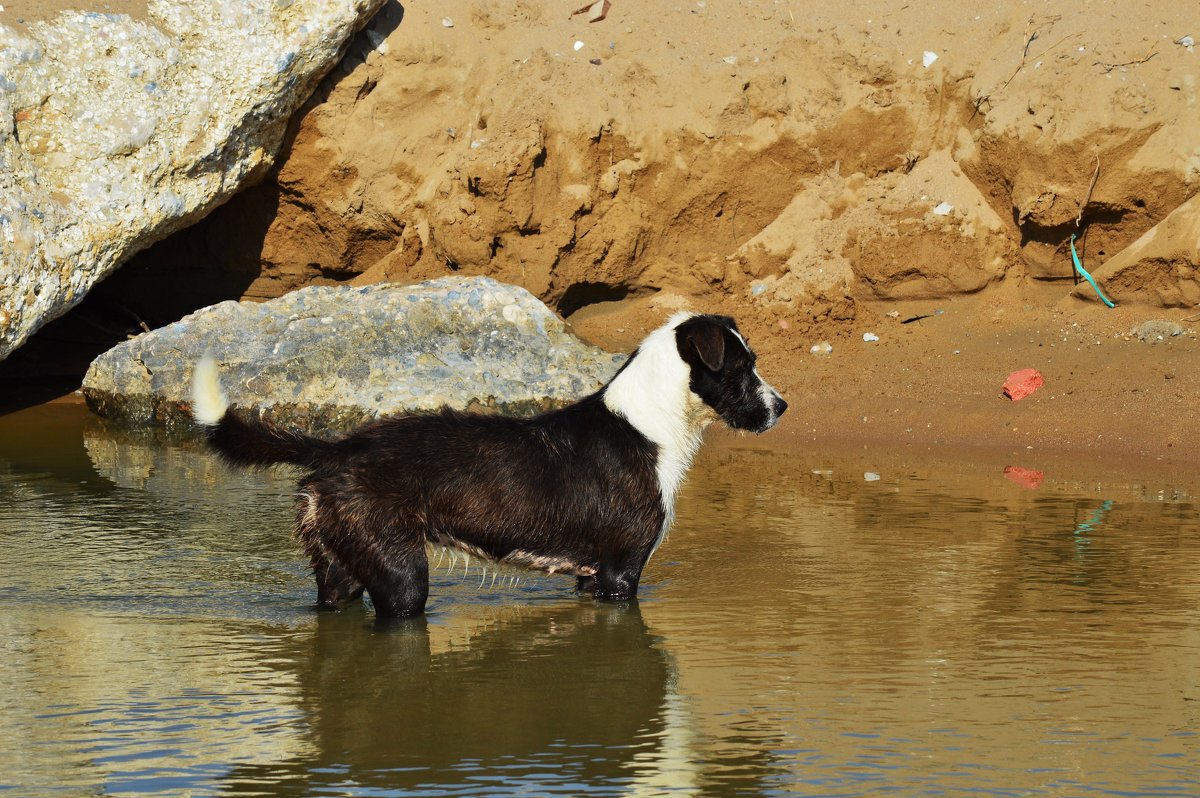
{"x": 396, "y": 574}
{"x": 402, "y": 590}
{"x": 617, "y": 578}
{"x": 335, "y": 586}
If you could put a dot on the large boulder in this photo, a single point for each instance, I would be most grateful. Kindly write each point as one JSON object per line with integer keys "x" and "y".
{"x": 332, "y": 357}
{"x": 115, "y": 132}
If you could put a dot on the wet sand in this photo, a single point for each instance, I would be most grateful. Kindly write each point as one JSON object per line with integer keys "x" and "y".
{"x": 936, "y": 384}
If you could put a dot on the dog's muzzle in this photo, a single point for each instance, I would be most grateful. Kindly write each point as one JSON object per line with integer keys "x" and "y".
{"x": 775, "y": 406}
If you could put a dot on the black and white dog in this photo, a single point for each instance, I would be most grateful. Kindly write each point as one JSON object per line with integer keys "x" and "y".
{"x": 587, "y": 490}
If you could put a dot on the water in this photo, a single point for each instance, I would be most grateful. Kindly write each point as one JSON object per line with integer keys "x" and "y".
{"x": 807, "y": 629}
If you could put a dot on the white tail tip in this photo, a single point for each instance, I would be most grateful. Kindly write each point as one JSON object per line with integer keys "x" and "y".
{"x": 208, "y": 400}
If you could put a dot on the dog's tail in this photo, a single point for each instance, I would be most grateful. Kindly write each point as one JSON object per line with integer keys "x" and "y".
{"x": 247, "y": 441}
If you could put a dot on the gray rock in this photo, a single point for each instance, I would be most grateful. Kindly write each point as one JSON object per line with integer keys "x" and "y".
{"x": 1157, "y": 330}
{"x": 332, "y": 357}
{"x": 115, "y": 132}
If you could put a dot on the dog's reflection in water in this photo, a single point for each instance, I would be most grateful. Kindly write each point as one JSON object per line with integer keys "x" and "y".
{"x": 573, "y": 693}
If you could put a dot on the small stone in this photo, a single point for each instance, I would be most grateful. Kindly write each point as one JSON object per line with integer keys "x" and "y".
{"x": 1023, "y": 383}
{"x": 1157, "y": 330}
{"x": 821, "y": 348}
{"x": 870, "y": 337}
{"x": 447, "y": 22}
{"x": 928, "y": 59}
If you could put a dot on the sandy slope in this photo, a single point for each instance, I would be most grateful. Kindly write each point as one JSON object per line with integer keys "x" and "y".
{"x": 703, "y": 147}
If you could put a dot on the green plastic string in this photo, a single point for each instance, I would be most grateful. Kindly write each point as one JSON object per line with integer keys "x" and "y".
{"x": 1083, "y": 272}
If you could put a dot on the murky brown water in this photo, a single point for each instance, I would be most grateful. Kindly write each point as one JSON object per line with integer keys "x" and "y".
{"x": 808, "y": 629}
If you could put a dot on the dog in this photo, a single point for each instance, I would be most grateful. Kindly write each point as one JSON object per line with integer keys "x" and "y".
{"x": 586, "y": 490}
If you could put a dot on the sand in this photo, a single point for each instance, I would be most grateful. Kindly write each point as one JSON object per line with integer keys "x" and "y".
{"x": 816, "y": 172}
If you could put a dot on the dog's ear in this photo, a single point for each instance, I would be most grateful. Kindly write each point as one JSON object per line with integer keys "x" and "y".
{"x": 707, "y": 340}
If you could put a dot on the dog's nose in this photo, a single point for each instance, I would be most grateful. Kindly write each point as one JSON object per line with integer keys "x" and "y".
{"x": 780, "y": 405}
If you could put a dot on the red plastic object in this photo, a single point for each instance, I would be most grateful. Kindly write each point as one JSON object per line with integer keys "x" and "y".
{"x": 1025, "y": 477}
{"x": 1022, "y": 383}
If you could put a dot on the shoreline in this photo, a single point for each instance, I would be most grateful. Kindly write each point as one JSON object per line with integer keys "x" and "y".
{"x": 869, "y": 450}
{"x": 932, "y": 389}
{"x": 937, "y": 383}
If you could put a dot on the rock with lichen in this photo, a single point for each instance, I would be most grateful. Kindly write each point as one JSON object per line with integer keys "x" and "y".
{"x": 115, "y": 132}
{"x": 332, "y": 357}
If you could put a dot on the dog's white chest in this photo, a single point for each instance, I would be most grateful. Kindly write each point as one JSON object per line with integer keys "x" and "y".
{"x": 654, "y": 396}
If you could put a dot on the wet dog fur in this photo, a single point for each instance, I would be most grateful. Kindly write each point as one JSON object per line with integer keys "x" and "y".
{"x": 587, "y": 490}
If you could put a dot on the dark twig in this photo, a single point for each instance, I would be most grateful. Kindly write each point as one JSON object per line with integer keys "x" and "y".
{"x": 1091, "y": 188}
{"x": 1039, "y": 55}
{"x": 1110, "y": 67}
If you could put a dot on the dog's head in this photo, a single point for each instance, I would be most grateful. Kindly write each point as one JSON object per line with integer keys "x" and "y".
{"x": 723, "y": 373}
